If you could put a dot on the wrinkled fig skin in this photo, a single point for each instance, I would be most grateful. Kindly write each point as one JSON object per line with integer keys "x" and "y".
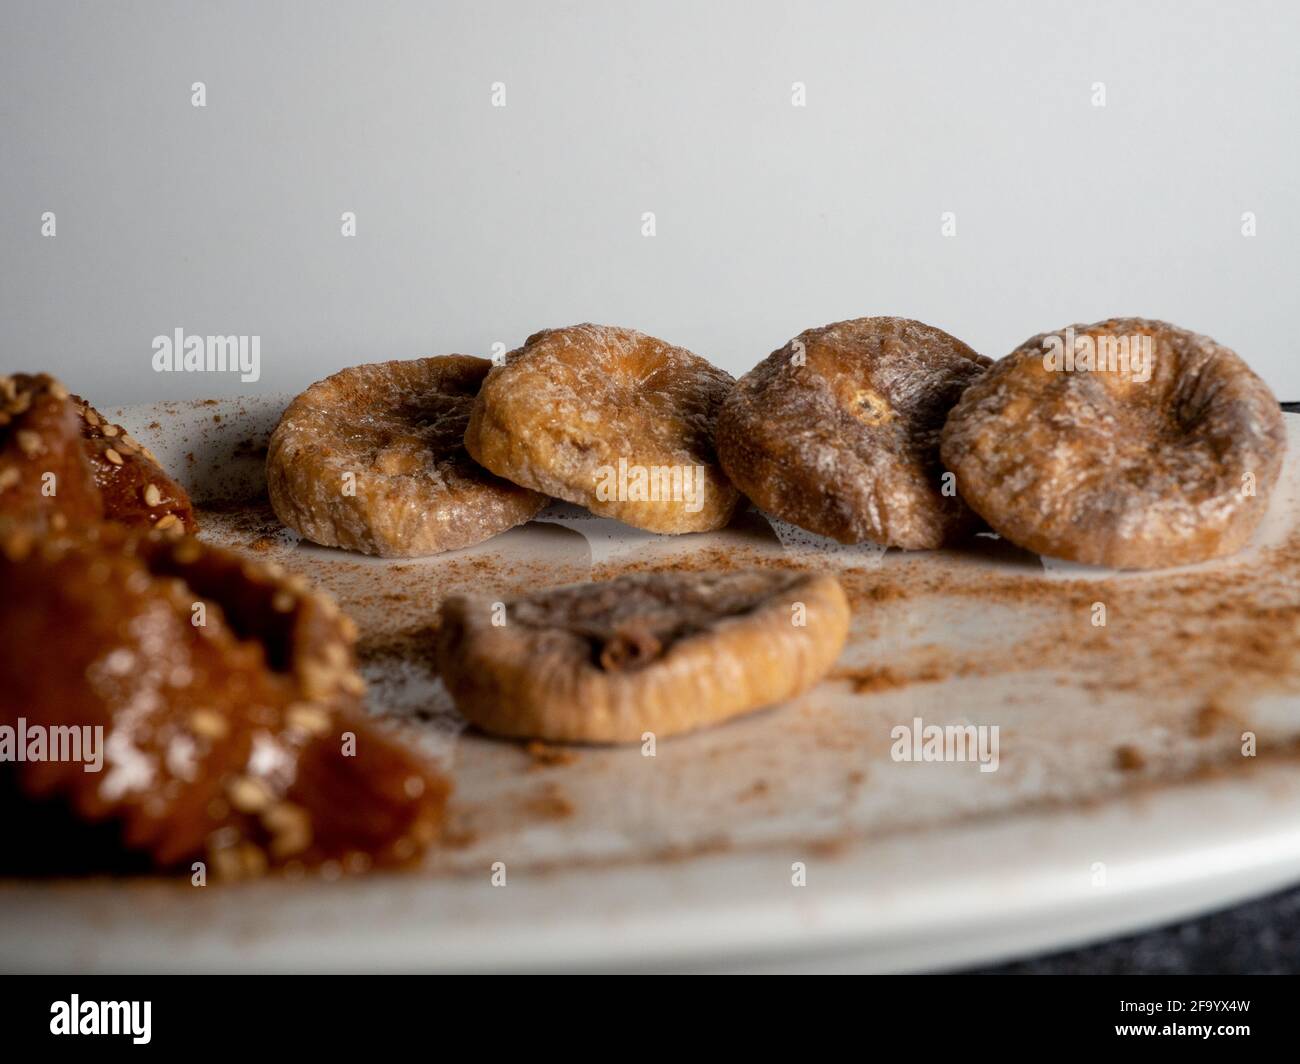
{"x": 1102, "y": 468}
{"x": 573, "y": 402}
{"x": 649, "y": 652}
{"x": 222, "y": 742}
{"x": 838, "y": 432}
{"x": 398, "y": 429}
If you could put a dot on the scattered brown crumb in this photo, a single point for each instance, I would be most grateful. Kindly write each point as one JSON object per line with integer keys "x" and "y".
{"x": 544, "y": 755}
{"x": 1129, "y": 759}
{"x": 1211, "y": 718}
{"x": 457, "y": 838}
{"x": 549, "y": 803}
{"x": 885, "y": 677}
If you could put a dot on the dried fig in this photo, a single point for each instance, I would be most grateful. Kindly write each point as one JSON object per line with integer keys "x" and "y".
{"x": 1127, "y": 443}
{"x": 611, "y": 419}
{"x": 649, "y": 652}
{"x": 838, "y": 432}
{"x": 372, "y": 459}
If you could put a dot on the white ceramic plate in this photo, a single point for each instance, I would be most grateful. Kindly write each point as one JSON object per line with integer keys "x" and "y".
{"x": 688, "y": 859}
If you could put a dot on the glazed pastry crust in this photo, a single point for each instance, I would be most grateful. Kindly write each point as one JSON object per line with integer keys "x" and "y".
{"x": 135, "y": 489}
{"x": 568, "y": 405}
{"x": 397, "y": 428}
{"x": 63, "y": 464}
{"x": 1101, "y": 468}
{"x": 649, "y": 652}
{"x": 40, "y": 436}
{"x": 223, "y": 740}
{"x": 846, "y": 442}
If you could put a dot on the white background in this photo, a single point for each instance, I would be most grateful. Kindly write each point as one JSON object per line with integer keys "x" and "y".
{"x": 479, "y": 224}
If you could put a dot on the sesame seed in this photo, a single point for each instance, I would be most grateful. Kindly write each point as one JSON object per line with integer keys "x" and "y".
{"x": 318, "y": 681}
{"x": 306, "y": 717}
{"x": 111, "y": 430}
{"x": 9, "y": 477}
{"x": 209, "y": 724}
{"x": 58, "y": 391}
{"x": 92, "y": 418}
{"x": 248, "y": 795}
{"x": 152, "y": 496}
{"x": 226, "y": 863}
{"x": 253, "y": 859}
{"x": 113, "y": 456}
{"x": 166, "y": 521}
{"x": 283, "y": 602}
{"x": 29, "y": 442}
{"x": 289, "y": 843}
{"x": 290, "y": 827}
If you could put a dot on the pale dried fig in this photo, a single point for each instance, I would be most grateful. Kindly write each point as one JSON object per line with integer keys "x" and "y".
{"x": 611, "y": 419}
{"x": 1127, "y": 443}
{"x": 657, "y": 652}
{"x": 372, "y": 459}
{"x": 838, "y": 432}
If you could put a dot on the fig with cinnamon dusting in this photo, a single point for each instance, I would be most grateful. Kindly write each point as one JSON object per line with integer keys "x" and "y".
{"x": 1143, "y": 446}
{"x": 611, "y": 419}
{"x": 372, "y": 459}
{"x": 231, "y": 711}
{"x": 838, "y": 432}
{"x": 660, "y": 652}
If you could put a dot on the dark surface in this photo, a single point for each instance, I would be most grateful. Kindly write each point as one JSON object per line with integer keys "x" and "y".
{"x": 1258, "y": 938}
